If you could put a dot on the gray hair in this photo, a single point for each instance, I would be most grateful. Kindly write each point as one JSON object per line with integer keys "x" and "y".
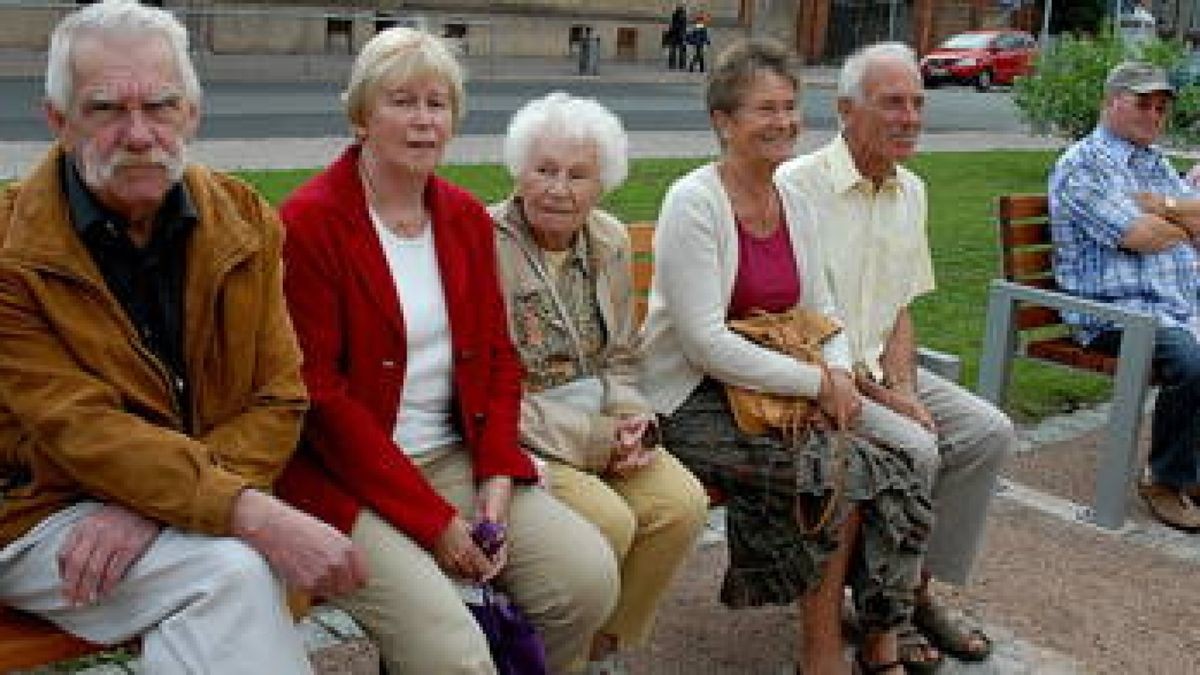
{"x": 854, "y": 70}
{"x": 114, "y": 18}
{"x": 560, "y": 115}
{"x": 402, "y": 53}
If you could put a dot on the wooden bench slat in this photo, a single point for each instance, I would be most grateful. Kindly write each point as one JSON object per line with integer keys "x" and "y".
{"x": 641, "y": 236}
{"x": 1068, "y": 352}
{"x": 1030, "y": 317}
{"x": 643, "y": 274}
{"x": 27, "y": 641}
{"x": 1019, "y": 235}
{"x": 1023, "y": 206}
{"x": 1029, "y": 263}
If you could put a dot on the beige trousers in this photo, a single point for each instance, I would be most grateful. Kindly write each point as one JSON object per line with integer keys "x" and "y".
{"x": 651, "y": 519}
{"x": 560, "y": 571}
{"x": 961, "y": 462}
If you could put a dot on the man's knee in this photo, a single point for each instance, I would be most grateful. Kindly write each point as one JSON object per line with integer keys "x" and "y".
{"x": 232, "y": 571}
{"x": 993, "y": 439}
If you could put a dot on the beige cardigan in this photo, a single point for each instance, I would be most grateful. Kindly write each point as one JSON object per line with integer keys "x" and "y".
{"x": 695, "y": 265}
{"x": 549, "y": 426}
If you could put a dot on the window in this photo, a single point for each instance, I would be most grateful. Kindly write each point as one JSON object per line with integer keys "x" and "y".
{"x": 626, "y": 43}
{"x": 337, "y": 35}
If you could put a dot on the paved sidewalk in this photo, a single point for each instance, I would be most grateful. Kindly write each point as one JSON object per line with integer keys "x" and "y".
{"x": 17, "y": 157}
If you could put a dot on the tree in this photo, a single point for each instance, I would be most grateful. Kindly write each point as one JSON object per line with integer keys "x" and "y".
{"x": 1063, "y": 96}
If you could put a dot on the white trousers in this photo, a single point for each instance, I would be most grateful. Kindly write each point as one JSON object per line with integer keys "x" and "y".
{"x": 201, "y": 604}
{"x": 962, "y": 461}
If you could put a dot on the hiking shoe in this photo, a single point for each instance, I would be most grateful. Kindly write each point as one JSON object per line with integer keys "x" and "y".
{"x": 1172, "y": 506}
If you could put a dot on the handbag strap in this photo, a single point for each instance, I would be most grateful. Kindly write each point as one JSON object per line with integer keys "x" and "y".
{"x": 839, "y": 448}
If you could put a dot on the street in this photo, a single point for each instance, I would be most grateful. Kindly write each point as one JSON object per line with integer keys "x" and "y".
{"x": 306, "y": 110}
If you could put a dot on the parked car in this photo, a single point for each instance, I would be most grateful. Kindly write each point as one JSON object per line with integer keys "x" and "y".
{"x": 980, "y": 57}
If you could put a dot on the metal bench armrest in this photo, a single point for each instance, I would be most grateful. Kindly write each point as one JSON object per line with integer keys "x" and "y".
{"x": 1119, "y": 465}
{"x": 1015, "y": 292}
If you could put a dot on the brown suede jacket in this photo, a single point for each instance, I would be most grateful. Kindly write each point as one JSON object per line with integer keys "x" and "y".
{"x": 86, "y": 410}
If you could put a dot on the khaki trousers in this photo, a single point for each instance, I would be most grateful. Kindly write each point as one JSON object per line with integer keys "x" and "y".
{"x": 651, "y": 519}
{"x": 962, "y": 461}
{"x": 560, "y": 571}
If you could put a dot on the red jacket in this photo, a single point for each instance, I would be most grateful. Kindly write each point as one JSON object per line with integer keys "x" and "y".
{"x": 351, "y": 329}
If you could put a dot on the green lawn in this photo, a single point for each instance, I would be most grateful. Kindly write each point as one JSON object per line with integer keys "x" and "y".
{"x": 962, "y": 187}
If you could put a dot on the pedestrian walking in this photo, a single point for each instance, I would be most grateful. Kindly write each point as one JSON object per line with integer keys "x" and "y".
{"x": 697, "y": 37}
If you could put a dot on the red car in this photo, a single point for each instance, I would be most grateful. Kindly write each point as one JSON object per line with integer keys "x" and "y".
{"x": 981, "y": 58}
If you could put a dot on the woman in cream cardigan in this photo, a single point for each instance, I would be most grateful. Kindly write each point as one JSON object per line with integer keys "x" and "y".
{"x": 727, "y": 245}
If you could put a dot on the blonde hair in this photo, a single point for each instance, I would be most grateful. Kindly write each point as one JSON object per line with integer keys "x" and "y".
{"x": 402, "y": 54}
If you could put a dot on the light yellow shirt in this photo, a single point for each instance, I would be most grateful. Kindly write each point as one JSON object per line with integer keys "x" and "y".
{"x": 876, "y": 250}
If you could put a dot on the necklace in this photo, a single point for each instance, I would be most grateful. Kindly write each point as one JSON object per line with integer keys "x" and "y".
{"x": 757, "y": 210}
{"x": 405, "y": 227}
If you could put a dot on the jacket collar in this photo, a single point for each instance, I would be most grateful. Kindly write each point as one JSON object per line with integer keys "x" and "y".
{"x": 348, "y": 199}
{"x": 512, "y": 222}
{"x": 40, "y": 231}
{"x": 844, "y": 172}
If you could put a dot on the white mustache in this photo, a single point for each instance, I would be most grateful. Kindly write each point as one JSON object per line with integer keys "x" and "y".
{"x": 98, "y": 173}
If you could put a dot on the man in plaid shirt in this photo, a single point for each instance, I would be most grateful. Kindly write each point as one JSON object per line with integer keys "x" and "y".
{"x": 1126, "y": 229}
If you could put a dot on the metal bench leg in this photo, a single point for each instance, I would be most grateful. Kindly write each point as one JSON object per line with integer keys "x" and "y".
{"x": 1118, "y": 467}
{"x": 995, "y": 365}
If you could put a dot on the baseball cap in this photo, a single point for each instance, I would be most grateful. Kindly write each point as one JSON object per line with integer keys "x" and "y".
{"x": 1138, "y": 77}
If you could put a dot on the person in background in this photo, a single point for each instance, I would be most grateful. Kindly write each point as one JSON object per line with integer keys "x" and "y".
{"x": 674, "y": 38}
{"x": 727, "y": 246}
{"x": 149, "y": 375}
{"x": 1125, "y": 228}
{"x": 870, "y": 212}
{"x": 565, "y": 268}
{"x": 697, "y": 37}
{"x": 412, "y": 441}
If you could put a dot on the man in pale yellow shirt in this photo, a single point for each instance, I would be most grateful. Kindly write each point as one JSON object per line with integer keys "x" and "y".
{"x": 871, "y": 215}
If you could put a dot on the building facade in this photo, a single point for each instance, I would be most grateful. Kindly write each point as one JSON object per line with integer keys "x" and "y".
{"x": 821, "y": 31}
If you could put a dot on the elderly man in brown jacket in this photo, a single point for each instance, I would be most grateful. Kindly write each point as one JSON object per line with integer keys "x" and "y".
{"x": 149, "y": 377}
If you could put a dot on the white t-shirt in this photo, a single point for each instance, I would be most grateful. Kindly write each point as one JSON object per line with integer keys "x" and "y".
{"x": 425, "y": 420}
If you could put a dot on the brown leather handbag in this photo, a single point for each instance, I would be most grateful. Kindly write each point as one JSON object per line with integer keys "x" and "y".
{"x": 799, "y": 333}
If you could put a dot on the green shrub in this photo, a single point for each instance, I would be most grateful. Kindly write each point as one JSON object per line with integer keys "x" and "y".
{"x": 1063, "y": 96}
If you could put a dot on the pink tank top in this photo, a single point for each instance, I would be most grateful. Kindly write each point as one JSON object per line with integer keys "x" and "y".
{"x": 768, "y": 274}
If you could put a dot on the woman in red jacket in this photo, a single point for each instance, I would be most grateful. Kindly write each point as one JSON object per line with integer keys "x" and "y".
{"x": 415, "y": 385}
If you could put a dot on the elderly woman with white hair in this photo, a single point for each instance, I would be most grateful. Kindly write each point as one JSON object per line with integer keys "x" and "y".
{"x": 566, "y": 275}
{"x": 411, "y": 441}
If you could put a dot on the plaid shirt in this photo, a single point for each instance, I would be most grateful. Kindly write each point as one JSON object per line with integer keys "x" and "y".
{"x": 1091, "y": 209}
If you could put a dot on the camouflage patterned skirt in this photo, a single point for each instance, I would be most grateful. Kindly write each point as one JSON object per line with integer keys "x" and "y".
{"x": 773, "y": 485}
